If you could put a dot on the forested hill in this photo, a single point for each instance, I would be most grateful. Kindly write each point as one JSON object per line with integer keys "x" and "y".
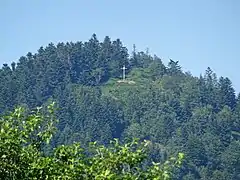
{"x": 199, "y": 116}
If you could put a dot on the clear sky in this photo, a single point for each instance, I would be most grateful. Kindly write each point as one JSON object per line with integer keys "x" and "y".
{"x": 197, "y": 33}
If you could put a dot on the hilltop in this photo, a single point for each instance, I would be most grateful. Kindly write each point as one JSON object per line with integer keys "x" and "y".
{"x": 176, "y": 111}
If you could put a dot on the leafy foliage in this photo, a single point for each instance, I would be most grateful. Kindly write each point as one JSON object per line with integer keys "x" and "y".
{"x": 22, "y": 136}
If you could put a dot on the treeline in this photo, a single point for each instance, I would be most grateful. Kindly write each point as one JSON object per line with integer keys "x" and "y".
{"x": 178, "y": 112}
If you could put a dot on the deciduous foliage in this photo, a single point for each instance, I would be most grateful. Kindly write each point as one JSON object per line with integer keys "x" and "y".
{"x": 22, "y": 137}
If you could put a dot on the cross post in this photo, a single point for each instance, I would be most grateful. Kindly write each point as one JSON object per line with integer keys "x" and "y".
{"x": 124, "y": 73}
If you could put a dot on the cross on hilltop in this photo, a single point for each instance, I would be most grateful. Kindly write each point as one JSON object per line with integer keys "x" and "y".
{"x": 124, "y": 73}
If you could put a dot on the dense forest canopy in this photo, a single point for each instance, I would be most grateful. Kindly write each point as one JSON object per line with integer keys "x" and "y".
{"x": 177, "y": 112}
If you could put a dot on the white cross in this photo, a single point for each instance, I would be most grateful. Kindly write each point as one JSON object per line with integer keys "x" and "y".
{"x": 124, "y": 68}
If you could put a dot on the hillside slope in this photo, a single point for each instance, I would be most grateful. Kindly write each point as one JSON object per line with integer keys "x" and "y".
{"x": 199, "y": 116}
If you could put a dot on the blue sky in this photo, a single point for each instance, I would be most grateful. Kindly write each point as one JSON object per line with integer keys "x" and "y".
{"x": 197, "y": 33}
